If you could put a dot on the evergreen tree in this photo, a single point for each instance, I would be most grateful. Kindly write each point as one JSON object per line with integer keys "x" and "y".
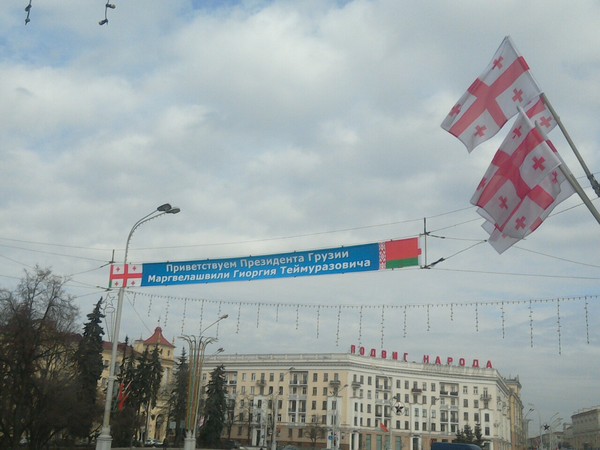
{"x": 478, "y": 438}
{"x": 215, "y": 409}
{"x": 88, "y": 358}
{"x": 469, "y": 436}
{"x": 125, "y": 412}
{"x": 178, "y": 398}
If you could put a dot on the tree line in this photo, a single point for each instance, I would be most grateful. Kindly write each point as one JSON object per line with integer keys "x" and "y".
{"x": 50, "y": 372}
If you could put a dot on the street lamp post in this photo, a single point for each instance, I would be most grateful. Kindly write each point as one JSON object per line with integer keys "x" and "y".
{"x": 104, "y": 440}
{"x": 197, "y": 351}
{"x": 276, "y": 412}
{"x": 397, "y": 407}
{"x": 335, "y": 418}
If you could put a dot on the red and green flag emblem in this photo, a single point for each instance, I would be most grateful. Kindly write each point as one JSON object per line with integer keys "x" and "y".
{"x": 398, "y": 254}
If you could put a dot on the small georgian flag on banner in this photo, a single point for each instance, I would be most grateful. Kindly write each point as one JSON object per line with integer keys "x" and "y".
{"x": 493, "y": 98}
{"x": 126, "y": 275}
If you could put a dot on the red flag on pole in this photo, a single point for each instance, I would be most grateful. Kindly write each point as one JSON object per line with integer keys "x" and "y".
{"x": 493, "y": 98}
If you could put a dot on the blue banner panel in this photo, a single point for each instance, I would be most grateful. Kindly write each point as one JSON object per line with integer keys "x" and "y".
{"x": 358, "y": 258}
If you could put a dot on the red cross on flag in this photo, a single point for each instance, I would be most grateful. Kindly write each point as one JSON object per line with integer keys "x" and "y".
{"x": 556, "y": 186}
{"x": 514, "y": 179}
{"x": 539, "y": 113}
{"x": 125, "y": 275}
{"x": 493, "y": 98}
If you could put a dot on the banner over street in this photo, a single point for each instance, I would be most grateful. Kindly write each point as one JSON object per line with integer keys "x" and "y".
{"x": 357, "y": 258}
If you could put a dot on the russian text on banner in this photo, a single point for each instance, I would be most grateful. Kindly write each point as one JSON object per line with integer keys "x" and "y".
{"x": 493, "y": 98}
{"x": 350, "y": 259}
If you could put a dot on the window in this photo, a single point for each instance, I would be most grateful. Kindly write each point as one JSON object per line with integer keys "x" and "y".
{"x": 324, "y": 405}
{"x": 314, "y": 391}
{"x": 398, "y": 384}
{"x": 336, "y": 377}
{"x": 406, "y": 384}
{"x": 314, "y": 404}
{"x": 253, "y": 377}
{"x": 315, "y": 377}
{"x": 476, "y": 390}
{"x": 486, "y": 417}
{"x": 325, "y": 376}
{"x": 251, "y": 390}
{"x": 466, "y": 417}
{"x": 466, "y": 402}
{"x": 244, "y": 377}
{"x": 476, "y": 417}
{"x": 417, "y": 426}
{"x": 487, "y": 431}
{"x": 368, "y": 408}
{"x": 280, "y": 390}
{"x": 465, "y": 389}
{"x": 476, "y": 403}
{"x": 325, "y": 391}
{"x": 271, "y": 377}
{"x": 369, "y": 381}
{"x": 432, "y": 387}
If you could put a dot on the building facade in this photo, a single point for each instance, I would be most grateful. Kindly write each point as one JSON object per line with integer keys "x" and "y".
{"x": 365, "y": 401}
{"x": 585, "y": 429}
{"x": 156, "y": 421}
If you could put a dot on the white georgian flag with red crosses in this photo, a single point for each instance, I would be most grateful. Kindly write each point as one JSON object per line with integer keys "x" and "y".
{"x": 559, "y": 189}
{"x": 126, "y": 275}
{"x": 513, "y": 181}
{"x": 493, "y": 98}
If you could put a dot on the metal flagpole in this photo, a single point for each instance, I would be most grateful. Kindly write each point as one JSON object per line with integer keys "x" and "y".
{"x": 574, "y": 183}
{"x": 590, "y": 176}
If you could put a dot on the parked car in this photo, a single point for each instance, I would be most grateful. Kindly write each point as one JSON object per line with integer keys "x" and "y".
{"x": 229, "y": 444}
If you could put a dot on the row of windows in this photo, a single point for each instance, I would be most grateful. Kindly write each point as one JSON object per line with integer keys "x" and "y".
{"x": 381, "y": 382}
{"x": 417, "y": 426}
{"x": 407, "y": 398}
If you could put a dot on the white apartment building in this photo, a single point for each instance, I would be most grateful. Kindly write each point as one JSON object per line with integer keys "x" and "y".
{"x": 365, "y": 400}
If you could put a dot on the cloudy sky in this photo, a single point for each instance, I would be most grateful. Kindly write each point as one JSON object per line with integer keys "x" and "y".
{"x": 294, "y": 125}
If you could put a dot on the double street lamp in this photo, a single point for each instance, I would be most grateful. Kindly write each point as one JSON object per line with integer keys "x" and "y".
{"x": 104, "y": 440}
{"x": 197, "y": 346}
